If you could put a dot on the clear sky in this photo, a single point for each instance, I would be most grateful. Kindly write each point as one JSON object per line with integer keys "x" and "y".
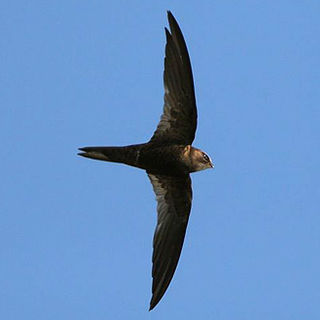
{"x": 76, "y": 234}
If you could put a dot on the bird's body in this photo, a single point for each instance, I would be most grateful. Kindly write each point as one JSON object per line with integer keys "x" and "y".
{"x": 168, "y": 159}
{"x": 174, "y": 159}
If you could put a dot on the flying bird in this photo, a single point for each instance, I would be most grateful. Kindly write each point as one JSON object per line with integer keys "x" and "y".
{"x": 168, "y": 159}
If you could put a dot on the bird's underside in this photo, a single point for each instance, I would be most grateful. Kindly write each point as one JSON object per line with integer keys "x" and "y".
{"x": 168, "y": 158}
{"x": 173, "y": 160}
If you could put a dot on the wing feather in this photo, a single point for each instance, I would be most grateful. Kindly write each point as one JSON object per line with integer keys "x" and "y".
{"x": 178, "y": 122}
{"x": 174, "y": 196}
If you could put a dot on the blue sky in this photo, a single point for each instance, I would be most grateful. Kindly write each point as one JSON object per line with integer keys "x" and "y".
{"x": 76, "y": 235}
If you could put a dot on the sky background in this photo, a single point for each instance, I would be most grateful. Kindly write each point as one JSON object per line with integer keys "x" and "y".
{"x": 76, "y": 234}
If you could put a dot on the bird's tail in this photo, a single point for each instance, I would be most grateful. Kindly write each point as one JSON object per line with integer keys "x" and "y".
{"x": 128, "y": 154}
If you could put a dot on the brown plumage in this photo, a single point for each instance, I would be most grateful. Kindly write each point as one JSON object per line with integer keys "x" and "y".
{"x": 168, "y": 158}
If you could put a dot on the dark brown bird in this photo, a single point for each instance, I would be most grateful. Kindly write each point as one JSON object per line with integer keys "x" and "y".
{"x": 168, "y": 158}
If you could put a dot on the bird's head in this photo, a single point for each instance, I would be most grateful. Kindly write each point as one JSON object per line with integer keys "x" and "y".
{"x": 199, "y": 160}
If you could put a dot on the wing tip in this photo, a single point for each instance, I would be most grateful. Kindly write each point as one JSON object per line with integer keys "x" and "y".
{"x": 153, "y": 303}
{"x": 172, "y": 21}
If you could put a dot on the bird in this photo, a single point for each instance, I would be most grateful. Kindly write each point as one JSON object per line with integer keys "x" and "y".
{"x": 168, "y": 159}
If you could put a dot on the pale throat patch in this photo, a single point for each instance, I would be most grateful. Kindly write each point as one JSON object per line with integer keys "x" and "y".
{"x": 186, "y": 150}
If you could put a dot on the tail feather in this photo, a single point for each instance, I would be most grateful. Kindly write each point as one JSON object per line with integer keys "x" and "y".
{"x": 127, "y": 154}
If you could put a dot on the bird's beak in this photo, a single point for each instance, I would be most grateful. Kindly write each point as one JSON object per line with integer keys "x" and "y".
{"x": 211, "y": 165}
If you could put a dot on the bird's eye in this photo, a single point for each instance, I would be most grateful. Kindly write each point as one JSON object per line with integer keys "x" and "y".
{"x": 205, "y": 158}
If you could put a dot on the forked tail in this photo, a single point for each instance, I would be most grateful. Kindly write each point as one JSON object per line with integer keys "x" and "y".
{"x": 128, "y": 154}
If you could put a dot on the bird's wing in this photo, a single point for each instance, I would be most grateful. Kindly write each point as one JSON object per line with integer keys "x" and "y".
{"x": 178, "y": 122}
{"x": 174, "y": 195}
